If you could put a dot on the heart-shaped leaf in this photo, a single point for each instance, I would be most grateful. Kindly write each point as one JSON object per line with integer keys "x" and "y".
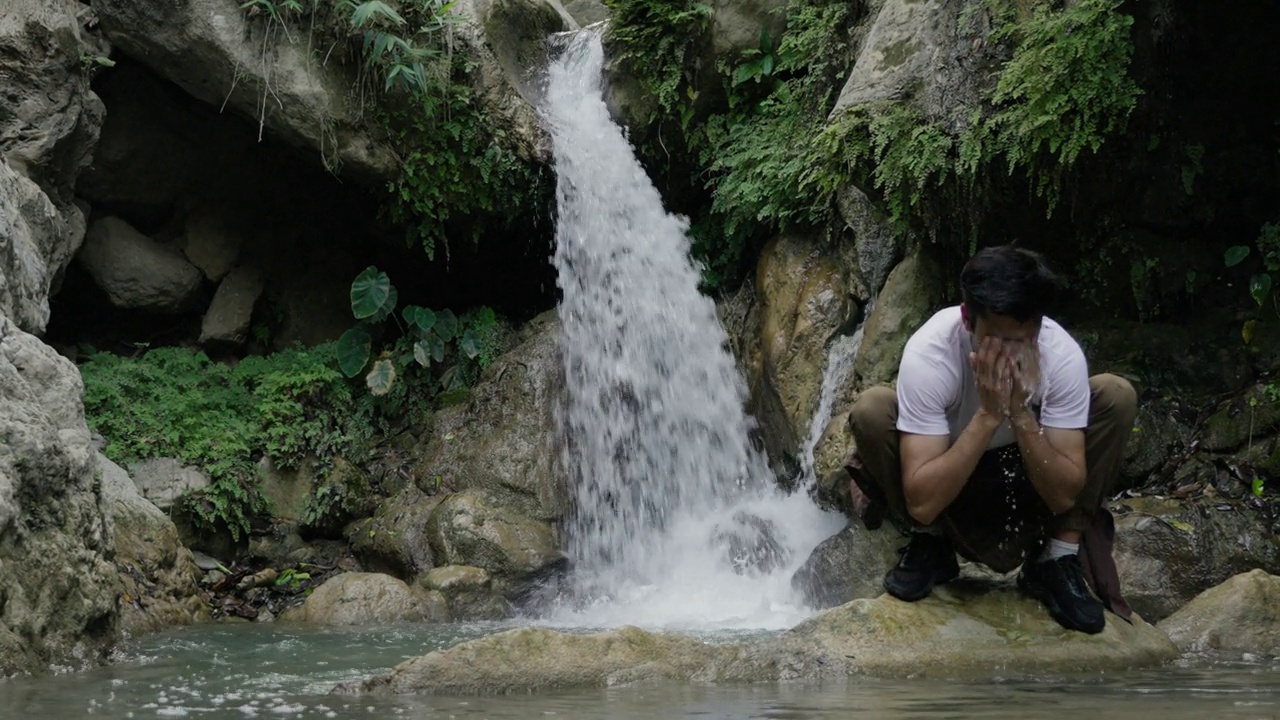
{"x": 1260, "y": 287}
{"x": 422, "y": 353}
{"x": 469, "y": 343}
{"x": 419, "y": 317}
{"x": 380, "y": 377}
{"x": 370, "y": 293}
{"x": 446, "y": 325}
{"x": 437, "y": 347}
{"x": 1236, "y": 255}
{"x": 353, "y": 351}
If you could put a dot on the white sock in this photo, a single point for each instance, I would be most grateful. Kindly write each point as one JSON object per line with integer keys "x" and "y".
{"x": 1055, "y": 549}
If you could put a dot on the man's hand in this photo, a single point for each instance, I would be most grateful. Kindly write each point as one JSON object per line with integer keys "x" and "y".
{"x": 1023, "y": 366}
{"x": 993, "y": 372}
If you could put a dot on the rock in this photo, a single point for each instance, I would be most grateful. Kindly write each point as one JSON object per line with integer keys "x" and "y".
{"x": 849, "y": 565}
{"x": 537, "y": 659}
{"x": 919, "y": 51}
{"x": 947, "y": 635}
{"x": 162, "y": 481}
{"x": 468, "y": 591}
{"x": 137, "y": 272}
{"x": 211, "y": 245}
{"x": 750, "y": 543}
{"x": 49, "y": 120}
{"x": 37, "y": 241}
{"x": 227, "y": 319}
{"x": 912, "y": 292}
{"x": 1242, "y": 615}
{"x": 59, "y": 587}
{"x": 158, "y": 574}
{"x": 470, "y": 528}
{"x": 834, "y": 446}
{"x": 204, "y": 562}
{"x": 362, "y": 599}
{"x": 1156, "y": 435}
{"x": 1167, "y": 552}
{"x": 344, "y": 495}
{"x": 287, "y": 490}
{"x": 395, "y": 539}
{"x": 217, "y": 53}
{"x": 736, "y": 25}
{"x": 805, "y": 298}
{"x": 500, "y": 440}
{"x": 1251, "y": 416}
{"x": 879, "y": 246}
{"x": 586, "y": 12}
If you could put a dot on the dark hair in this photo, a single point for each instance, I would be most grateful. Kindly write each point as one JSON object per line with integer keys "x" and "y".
{"x": 1011, "y": 281}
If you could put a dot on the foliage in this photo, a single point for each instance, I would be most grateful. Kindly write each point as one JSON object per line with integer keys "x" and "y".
{"x": 175, "y": 402}
{"x": 1260, "y": 283}
{"x": 457, "y": 167}
{"x": 427, "y": 338}
{"x": 656, "y": 43}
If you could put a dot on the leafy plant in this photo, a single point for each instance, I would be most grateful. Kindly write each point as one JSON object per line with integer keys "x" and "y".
{"x": 427, "y": 337}
{"x": 1260, "y": 283}
{"x": 656, "y": 43}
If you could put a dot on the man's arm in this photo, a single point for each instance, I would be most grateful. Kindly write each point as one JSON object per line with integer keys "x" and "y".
{"x": 934, "y": 474}
{"x": 1054, "y": 459}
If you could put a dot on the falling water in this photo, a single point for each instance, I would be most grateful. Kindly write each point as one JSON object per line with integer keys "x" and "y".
{"x": 840, "y": 357}
{"x": 677, "y": 520}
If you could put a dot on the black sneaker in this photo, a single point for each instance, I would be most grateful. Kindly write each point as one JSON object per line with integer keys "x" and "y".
{"x": 926, "y": 561}
{"x": 1060, "y": 585}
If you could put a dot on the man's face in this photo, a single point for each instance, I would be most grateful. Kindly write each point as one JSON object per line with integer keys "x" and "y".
{"x": 1019, "y": 342}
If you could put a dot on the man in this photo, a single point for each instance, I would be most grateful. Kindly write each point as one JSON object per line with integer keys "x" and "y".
{"x": 997, "y": 444}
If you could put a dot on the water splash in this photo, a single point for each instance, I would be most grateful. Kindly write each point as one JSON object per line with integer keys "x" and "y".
{"x": 677, "y": 521}
{"x": 840, "y": 356}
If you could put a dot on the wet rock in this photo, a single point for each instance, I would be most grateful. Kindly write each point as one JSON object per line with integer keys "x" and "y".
{"x": 137, "y": 272}
{"x": 1167, "y": 552}
{"x": 1242, "y": 615}
{"x": 59, "y": 586}
{"x": 362, "y": 599}
{"x": 468, "y": 591}
{"x": 586, "y": 12}
{"x": 805, "y": 298}
{"x": 344, "y": 495}
{"x": 879, "y": 245}
{"x": 163, "y": 481}
{"x": 159, "y": 576}
{"x": 750, "y": 544}
{"x": 470, "y": 528}
{"x": 1237, "y": 422}
{"x": 499, "y": 440}
{"x": 212, "y": 244}
{"x": 912, "y": 292}
{"x": 227, "y": 319}
{"x": 847, "y": 566}
{"x": 1157, "y": 434}
{"x": 736, "y": 25}
{"x": 395, "y": 539}
{"x": 287, "y": 490}
{"x": 980, "y": 632}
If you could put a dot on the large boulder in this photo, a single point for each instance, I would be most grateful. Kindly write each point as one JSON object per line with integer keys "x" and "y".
{"x": 502, "y": 439}
{"x": 472, "y": 528}
{"x": 366, "y": 599}
{"x": 912, "y": 292}
{"x": 158, "y": 574}
{"x": 137, "y": 272}
{"x": 468, "y": 591}
{"x": 224, "y": 56}
{"x": 1167, "y": 552}
{"x": 953, "y": 633}
{"x": 37, "y": 240}
{"x": 58, "y": 588}
{"x": 736, "y": 25}
{"x": 919, "y": 51}
{"x": 805, "y": 297}
{"x": 395, "y": 539}
{"x": 1240, "y": 616}
{"x": 227, "y": 319}
{"x": 162, "y": 481}
{"x": 849, "y": 565}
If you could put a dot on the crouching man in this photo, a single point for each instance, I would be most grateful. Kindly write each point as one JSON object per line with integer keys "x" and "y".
{"x": 998, "y": 445}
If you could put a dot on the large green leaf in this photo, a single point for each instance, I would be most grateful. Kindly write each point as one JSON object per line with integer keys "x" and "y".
{"x": 437, "y": 347}
{"x": 380, "y": 377}
{"x": 1235, "y": 255}
{"x": 446, "y": 325}
{"x": 1260, "y": 287}
{"x": 422, "y": 353}
{"x": 372, "y": 294}
{"x": 353, "y": 351}
{"x": 469, "y": 343}
{"x": 421, "y": 318}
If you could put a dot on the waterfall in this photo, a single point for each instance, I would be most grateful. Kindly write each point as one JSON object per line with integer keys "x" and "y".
{"x": 840, "y": 357}
{"x": 677, "y": 522}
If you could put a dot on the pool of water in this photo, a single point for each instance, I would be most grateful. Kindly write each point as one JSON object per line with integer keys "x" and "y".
{"x": 239, "y": 671}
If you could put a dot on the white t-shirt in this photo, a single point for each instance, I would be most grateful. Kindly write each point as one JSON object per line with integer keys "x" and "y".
{"x": 938, "y": 394}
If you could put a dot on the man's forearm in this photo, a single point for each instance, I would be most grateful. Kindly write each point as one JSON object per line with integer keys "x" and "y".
{"x": 935, "y": 484}
{"x": 1054, "y": 475}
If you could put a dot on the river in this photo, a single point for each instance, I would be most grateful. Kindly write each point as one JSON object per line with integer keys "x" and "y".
{"x": 242, "y": 670}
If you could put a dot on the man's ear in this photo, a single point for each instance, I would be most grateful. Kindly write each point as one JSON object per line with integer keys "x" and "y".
{"x": 965, "y": 318}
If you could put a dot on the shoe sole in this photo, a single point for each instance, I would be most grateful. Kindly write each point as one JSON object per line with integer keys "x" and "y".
{"x": 1046, "y": 598}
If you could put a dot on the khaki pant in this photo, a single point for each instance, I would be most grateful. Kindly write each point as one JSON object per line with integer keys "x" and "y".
{"x": 998, "y": 518}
